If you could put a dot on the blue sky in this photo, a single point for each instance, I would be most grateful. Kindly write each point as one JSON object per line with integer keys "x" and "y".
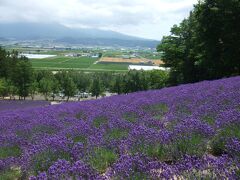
{"x": 144, "y": 18}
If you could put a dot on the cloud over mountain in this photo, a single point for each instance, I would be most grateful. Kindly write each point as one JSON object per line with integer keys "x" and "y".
{"x": 146, "y": 18}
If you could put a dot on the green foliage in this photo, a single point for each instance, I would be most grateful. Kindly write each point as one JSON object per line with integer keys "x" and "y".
{"x": 33, "y": 89}
{"x": 81, "y": 115}
{"x": 8, "y": 60}
{"x": 22, "y": 76}
{"x": 66, "y": 83}
{"x": 100, "y": 121}
{"x": 10, "y": 151}
{"x": 158, "y": 79}
{"x": 117, "y": 85}
{"x": 3, "y": 88}
{"x": 45, "y": 86}
{"x": 18, "y": 77}
{"x": 69, "y": 87}
{"x": 63, "y": 62}
{"x": 11, "y": 89}
{"x": 110, "y": 66}
{"x": 219, "y": 141}
{"x": 102, "y": 158}
{"x": 139, "y": 176}
{"x": 135, "y": 81}
{"x": 82, "y": 81}
{"x": 153, "y": 150}
{"x": 209, "y": 119}
{"x": 158, "y": 110}
{"x": 161, "y": 107}
{"x": 96, "y": 88}
{"x": 183, "y": 109}
{"x": 80, "y": 138}
{"x": 156, "y": 151}
{"x": 7, "y": 88}
{"x": 189, "y": 144}
{"x": 43, "y": 129}
{"x": 40, "y": 129}
{"x": 205, "y": 45}
{"x": 238, "y": 173}
{"x": 10, "y": 174}
{"x": 55, "y": 88}
{"x": 43, "y": 160}
{"x": 130, "y": 116}
{"x": 116, "y": 134}
{"x": 218, "y": 146}
{"x": 221, "y": 37}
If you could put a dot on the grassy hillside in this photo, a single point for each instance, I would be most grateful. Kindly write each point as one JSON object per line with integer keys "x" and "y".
{"x": 185, "y": 132}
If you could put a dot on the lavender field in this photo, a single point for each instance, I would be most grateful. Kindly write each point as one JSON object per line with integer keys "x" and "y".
{"x": 20, "y": 104}
{"x": 185, "y": 132}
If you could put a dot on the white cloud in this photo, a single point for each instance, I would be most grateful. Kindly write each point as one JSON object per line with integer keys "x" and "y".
{"x": 146, "y": 18}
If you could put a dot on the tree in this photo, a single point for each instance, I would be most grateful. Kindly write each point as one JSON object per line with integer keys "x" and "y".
{"x": 55, "y": 88}
{"x": 106, "y": 78}
{"x": 117, "y": 86}
{"x": 3, "y": 63}
{"x": 179, "y": 52}
{"x": 3, "y": 88}
{"x": 206, "y": 44}
{"x": 96, "y": 89}
{"x": 11, "y": 89}
{"x": 22, "y": 77}
{"x": 82, "y": 81}
{"x": 69, "y": 87}
{"x": 135, "y": 81}
{"x": 45, "y": 86}
{"x": 7, "y": 88}
{"x": 33, "y": 89}
{"x": 219, "y": 30}
{"x": 157, "y": 79}
{"x": 144, "y": 81}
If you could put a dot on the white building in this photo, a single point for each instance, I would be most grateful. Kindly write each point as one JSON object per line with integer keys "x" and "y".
{"x": 146, "y": 68}
{"x": 37, "y": 56}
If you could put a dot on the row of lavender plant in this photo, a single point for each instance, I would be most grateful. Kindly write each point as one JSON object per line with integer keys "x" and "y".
{"x": 187, "y": 132}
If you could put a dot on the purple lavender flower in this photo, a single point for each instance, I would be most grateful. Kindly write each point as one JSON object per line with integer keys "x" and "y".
{"x": 161, "y": 134}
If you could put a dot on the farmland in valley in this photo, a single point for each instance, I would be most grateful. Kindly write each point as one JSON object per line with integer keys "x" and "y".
{"x": 110, "y": 66}
{"x": 185, "y": 132}
{"x": 77, "y": 63}
{"x": 82, "y": 60}
{"x": 130, "y": 60}
{"x": 123, "y": 60}
{"x": 89, "y": 64}
{"x": 63, "y": 62}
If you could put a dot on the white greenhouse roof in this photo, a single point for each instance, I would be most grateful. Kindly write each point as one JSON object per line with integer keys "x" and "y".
{"x": 146, "y": 68}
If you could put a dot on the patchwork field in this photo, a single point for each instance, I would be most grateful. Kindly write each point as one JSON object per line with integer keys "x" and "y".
{"x": 63, "y": 62}
{"x": 185, "y": 132}
{"x": 122, "y": 60}
{"x": 77, "y": 63}
{"x": 131, "y": 60}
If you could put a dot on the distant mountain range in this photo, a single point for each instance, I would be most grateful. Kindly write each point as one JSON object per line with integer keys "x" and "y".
{"x": 62, "y": 34}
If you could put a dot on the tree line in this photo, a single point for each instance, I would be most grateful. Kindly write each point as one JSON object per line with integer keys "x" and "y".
{"x": 15, "y": 74}
{"x": 18, "y": 78}
{"x": 206, "y": 45}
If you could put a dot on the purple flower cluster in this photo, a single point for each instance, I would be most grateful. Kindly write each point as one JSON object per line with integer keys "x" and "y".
{"x": 6, "y": 105}
{"x": 186, "y": 132}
